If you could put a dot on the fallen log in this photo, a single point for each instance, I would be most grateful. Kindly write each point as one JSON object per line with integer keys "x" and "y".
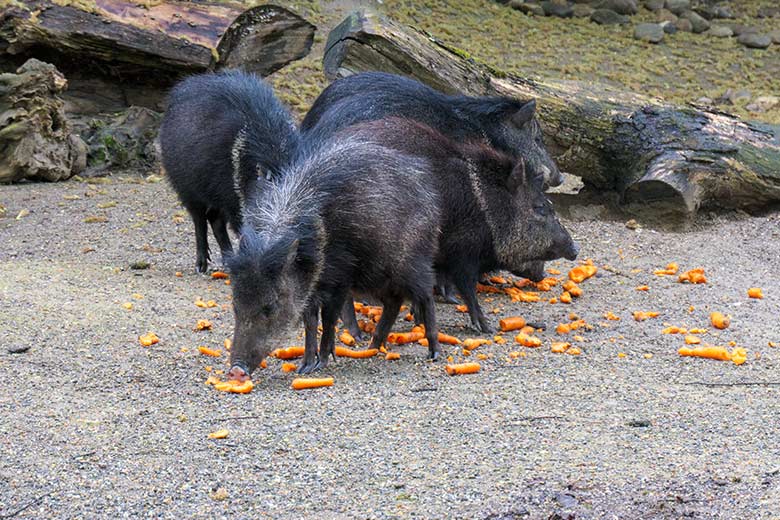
{"x": 677, "y": 158}
{"x": 149, "y": 45}
{"x": 35, "y": 139}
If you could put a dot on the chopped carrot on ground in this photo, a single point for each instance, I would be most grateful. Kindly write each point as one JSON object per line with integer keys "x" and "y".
{"x": 546, "y": 284}
{"x": 462, "y": 368}
{"x": 235, "y": 387}
{"x": 219, "y": 275}
{"x": 574, "y": 351}
{"x": 200, "y": 303}
{"x": 481, "y": 288}
{"x": 697, "y": 331}
{"x": 528, "y": 330}
{"x": 497, "y": 279}
{"x": 392, "y": 356}
{"x": 472, "y": 343}
{"x": 288, "y": 353}
{"x": 553, "y": 271}
{"x": 356, "y": 354}
{"x": 528, "y": 341}
{"x": 693, "y": 276}
{"x": 227, "y": 343}
{"x": 671, "y": 269}
{"x": 565, "y": 297}
{"x": 212, "y": 380}
{"x": 511, "y": 323}
{"x": 203, "y": 325}
{"x": 739, "y": 356}
{"x": 409, "y": 317}
{"x": 621, "y": 354}
{"x": 559, "y": 347}
{"x": 563, "y": 328}
{"x": 400, "y": 338}
{"x": 301, "y": 383}
{"x": 755, "y": 292}
{"x": 501, "y": 340}
{"x": 643, "y": 288}
{"x": 447, "y": 339}
{"x": 674, "y": 329}
{"x": 367, "y": 326}
{"x": 482, "y": 357}
{"x": 719, "y": 353}
{"x": 148, "y": 339}
{"x": 347, "y": 339}
{"x": 219, "y": 434}
{"x": 289, "y": 367}
{"x": 642, "y": 315}
{"x": 209, "y": 351}
{"x": 612, "y": 316}
{"x": 575, "y": 291}
{"x": 692, "y": 340}
{"x": 582, "y": 272}
{"x": 461, "y": 308}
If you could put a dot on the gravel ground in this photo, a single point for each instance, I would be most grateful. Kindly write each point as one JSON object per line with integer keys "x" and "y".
{"x": 94, "y": 425}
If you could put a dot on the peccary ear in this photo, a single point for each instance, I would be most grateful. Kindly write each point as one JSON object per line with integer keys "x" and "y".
{"x": 517, "y": 178}
{"x": 525, "y": 114}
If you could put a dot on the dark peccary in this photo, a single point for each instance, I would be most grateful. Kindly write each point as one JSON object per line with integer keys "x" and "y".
{"x": 507, "y": 124}
{"x": 494, "y": 212}
{"x": 349, "y": 215}
{"x": 220, "y": 131}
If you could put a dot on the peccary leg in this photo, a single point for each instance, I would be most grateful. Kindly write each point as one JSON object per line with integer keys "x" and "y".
{"x": 428, "y": 312}
{"x": 310, "y": 356}
{"x": 219, "y": 228}
{"x": 445, "y": 289}
{"x": 201, "y": 240}
{"x": 467, "y": 287}
{"x": 391, "y": 307}
{"x": 350, "y": 321}
{"x": 330, "y": 314}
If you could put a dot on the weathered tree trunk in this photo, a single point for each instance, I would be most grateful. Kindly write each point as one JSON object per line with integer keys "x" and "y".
{"x": 35, "y": 139}
{"x": 147, "y": 47}
{"x": 675, "y": 157}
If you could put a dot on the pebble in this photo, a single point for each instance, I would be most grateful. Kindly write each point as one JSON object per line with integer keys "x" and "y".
{"x": 775, "y": 35}
{"x": 582, "y": 10}
{"x": 678, "y": 6}
{"x": 530, "y": 9}
{"x": 664, "y": 15}
{"x": 763, "y": 104}
{"x": 18, "y": 349}
{"x": 559, "y": 8}
{"x": 607, "y": 17}
{"x": 720, "y": 31}
{"x": 683, "y": 24}
{"x": 769, "y": 12}
{"x": 698, "y": 23}
{"x": 649, "y": 32}
{"x": 619, "y": 6}
{"x": 654, "y": 5}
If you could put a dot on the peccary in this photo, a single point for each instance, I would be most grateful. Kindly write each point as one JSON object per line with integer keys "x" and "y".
{"x": 348, "y": 215}
{"x": 494, "y": 213}
{"x": 220, "y": 131}
{"x": 507, "y": 124}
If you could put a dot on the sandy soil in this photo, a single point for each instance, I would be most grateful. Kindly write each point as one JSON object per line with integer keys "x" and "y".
{"x": 94, "y": 425}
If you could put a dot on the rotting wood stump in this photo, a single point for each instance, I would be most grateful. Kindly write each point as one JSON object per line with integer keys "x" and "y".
{"x": 674, "y": 158}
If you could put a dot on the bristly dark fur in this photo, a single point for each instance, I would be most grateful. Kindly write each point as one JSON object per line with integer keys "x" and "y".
{"x": 219, "y": 132}
{"x": 507, "y": 124}
{"x": 347, "y": 214}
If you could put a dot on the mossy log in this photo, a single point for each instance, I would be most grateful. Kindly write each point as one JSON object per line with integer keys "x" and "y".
{"x": 677, "y": 158}
{"x": 151, "y": 44}
{"x": 35, "y": 139}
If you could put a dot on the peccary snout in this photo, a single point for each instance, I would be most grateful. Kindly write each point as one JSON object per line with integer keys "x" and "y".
{"x": 238, "y": 373}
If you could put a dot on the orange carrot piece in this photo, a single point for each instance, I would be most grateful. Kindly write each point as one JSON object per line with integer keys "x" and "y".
{"x": 498, "y": 279}
{"x": 288, "y": 353}
{"x": 692, "y": 340}
{"x": 356, "y": 354}
{"x": 528, "y": 341}
{"x": 612, "y": 316}
{"x": 462, "y": 368}
{"x": 400, "y": 338}
{"x": 582, "y": 272}
{"x": 209, "y": 351}
{"x": 755, "y": 292}
{"x": 212, "y": 380}
{"x": 392, "y": 356}
{"x": 235, "y": 387}
{"x": 671, "y": 269}
{"x": 674, "y": 329}
{"x": 559, "y": 347}
{"x": 643, "y": 288}
{"x": 289, "y": 367}
{"x": 347, "y": 339}
{"x": 739, "y": 356}
{"x": 719, "y": 353}
{"x": 565, "y": 297}
{"x": 642, "y": 315}
{"x": 219, "y": 275}
{"x": 472, "y": 343}
{"x": 481, "y": 288}
{"x": 512, "y": 323}
{"x": 553, "y": 271}
{"x": 574, "y": 351}
{"x": 203, "y": 325}
{"x": 423, "y": 342}
{"x": 301, "y": 383}
{"x": 219, "y": 434}
{"x": 461, "y": 308}
{"x": 148, "y": 339}
{"x": 447, "y": 339}
{"x": 563, "y": 328}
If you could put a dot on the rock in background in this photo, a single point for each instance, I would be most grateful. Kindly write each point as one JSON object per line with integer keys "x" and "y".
{"x": 36, "y": 140}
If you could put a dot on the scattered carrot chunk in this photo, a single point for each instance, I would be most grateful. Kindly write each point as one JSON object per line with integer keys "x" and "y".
{"x": 692, "y": 340}
{"x": 642, "y": 315}
{"x": 212, "y": 380}
{"x": 148, "y": 339}
{"x": 178, "y": 274}
{"x": 621, "y": 354}
{"x": 559, "y": 347}
{"x": 546, "y": 284}
{"x": 706, "y": 352}
{"x": 575, "y": 291}
{"x": 301, "y": 383}
{"x": 528, "y": 330}
{"x": 647, "y": 355}
{"x": 219, "y": 434}
{"x": 356, "y": 354}
{"x": 511, "y": 323}
{"x": 565, "y": 297}
{"x": 227, "y": 343}
{"x": 643, "y": 288}
{"x": 400, "y": 338}
{"x": 482, "y": 357}
{"x": 553, "y": 271}
{"x": 582, "y": 272}
{"x": 738, "y": 356}
{"x": 462, "y": 368}
{"x": 203, "y": 325}
{"x": 563, "y": 328}
{"x": 461, "y": 308}
{"x": 367, "y": 326}
{"x": 772, "y": 344}
{"x": 693, "y": 276}
{"x": 697, "y": 331}
{"x": 423, "y": 342}
{"x": 482, "y": 288}
{"x": 219, "y": 275}
{"x": 671, "y": 269}
{"x": 288, "y": 353}
{"x": 472, "y": 343}
{"x": 447, "y": 339}
{"x": 392, "y": 356}
{"x": 528, "y": 341}
{"x": 501, "y": 340}
{"x": 209, "y": 351}
{"x": 347, "y": 339}
{"x": 574, "y": 351}
{"x": 674, "y": 329}
{"x": 128, "y": 306}
{"x": 755, "y": 292}
{"x": 235, "y": 387}
{"x": 498, "y": 279}
{"x": 289, "y": 367}
{"x": 611, "y": 316}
